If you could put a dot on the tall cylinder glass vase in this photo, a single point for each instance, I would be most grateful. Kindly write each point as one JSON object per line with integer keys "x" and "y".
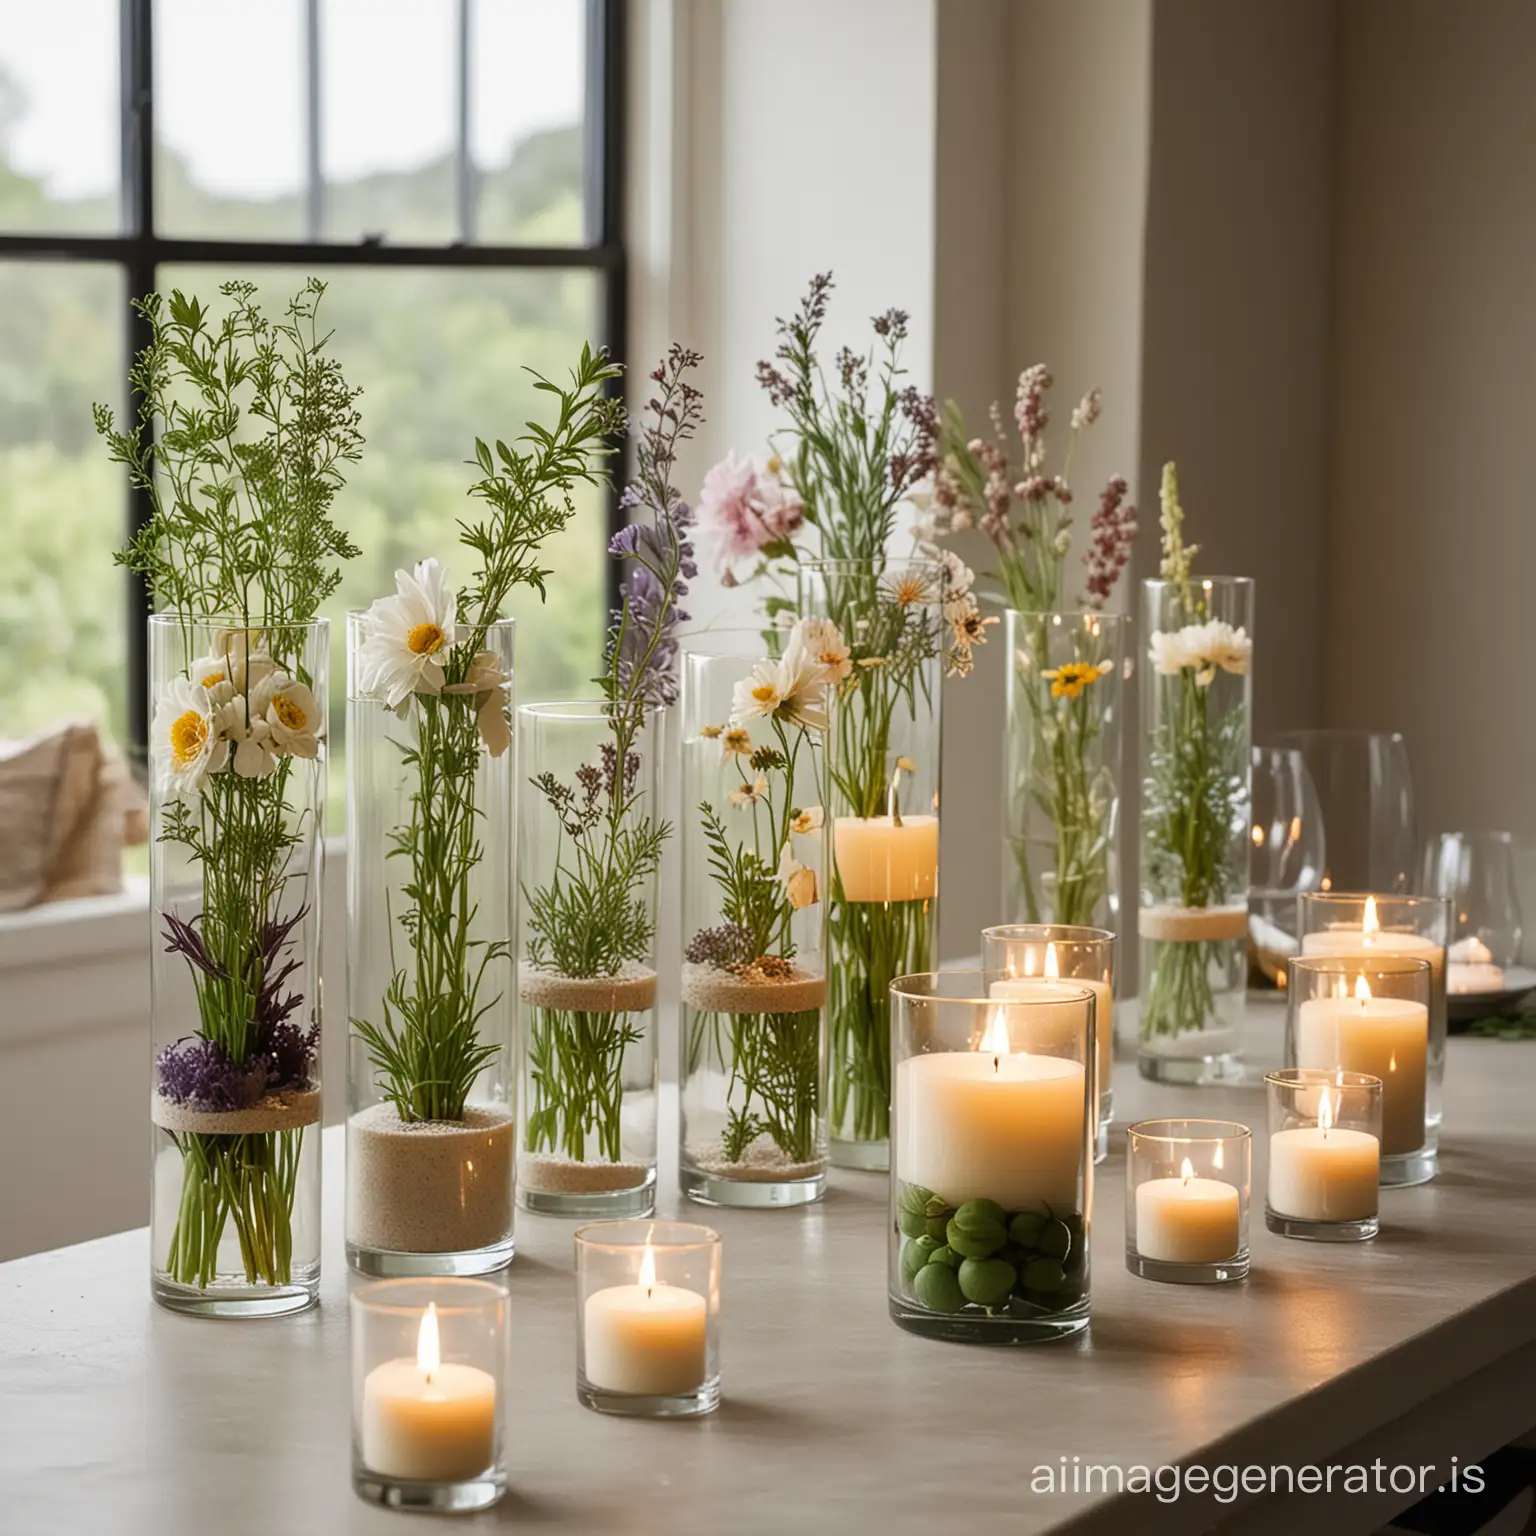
{"x": 1196, "y": 780}
{"x": 753, "y": 1035}
{"x": 237, "y": 812}
{"x": 430, "y": 1082}
{"x": 1062, "y": 765}
{"x": 590, "y": 838}
{"x": 881, "y": 797}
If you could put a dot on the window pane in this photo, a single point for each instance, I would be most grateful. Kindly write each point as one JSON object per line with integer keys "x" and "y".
{"x": 527, "y": 100}
{"x": 388, "y": 94}
{"x": 62, "y": 505}
{"x": 59, "y": 132}
{"x": 441, "y": 358}
{"x": 230, "y": 136}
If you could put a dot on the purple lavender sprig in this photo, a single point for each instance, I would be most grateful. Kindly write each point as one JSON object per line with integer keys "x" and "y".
{"x": 640, "y": 664}
{"x": 729, "y": 944}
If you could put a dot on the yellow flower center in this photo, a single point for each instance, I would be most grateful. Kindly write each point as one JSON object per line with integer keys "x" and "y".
{"x": 189, "y": 734}
{"x": 765, "y": 693}
{"x": 289, "y": 714}
{"x": 213, "y": 680}
{"x": 424, "y": 639}
{"x": 1071, "y": 679}
{"x": 909, "y": 590}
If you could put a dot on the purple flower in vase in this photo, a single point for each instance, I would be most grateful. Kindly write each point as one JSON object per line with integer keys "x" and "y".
{"x": 197, "y": 1072}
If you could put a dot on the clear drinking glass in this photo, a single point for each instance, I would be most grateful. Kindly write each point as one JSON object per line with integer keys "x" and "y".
{"x": 1066, "y": 712}
{"x": 1382, "y": 1011}
{"x": 1187, "y": 1188}
{"x": 431, "y": 1137}
{"x": 590, "y": 836}
{"x": 648, "y": 1318}
{"x": 429, "y": 1391}
{"x": 1475, "y": 871}
{"x": 1197, "y": 698}
{"x": 992, "y": 1166}
{"x": 1077, "y": 955}
{"x": 1324, "y": 1154}
{"x": 237, "y": 849}
{"x": 1289, "y": 854}
{"x": 881, "y": 797}
{"x": 1365, "y": 788}
{"x": 754, "y": 875}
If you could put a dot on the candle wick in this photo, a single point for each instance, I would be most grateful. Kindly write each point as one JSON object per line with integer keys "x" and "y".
{"x": 648, "y": 1292}
{"x": 997, "y": 1065}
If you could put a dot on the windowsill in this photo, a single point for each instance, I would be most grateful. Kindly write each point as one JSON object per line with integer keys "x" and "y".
{"x": 64, "y": 932}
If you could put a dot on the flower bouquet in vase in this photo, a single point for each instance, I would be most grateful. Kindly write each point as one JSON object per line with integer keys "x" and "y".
{"x": 431, "y": 1090}
{"x": 1196, "y": 723}
{"x": 589, "y": 850}
{"x": 253, "y": 423}
{"x": 754, "y": 980}
{"x": 852, "y": 454}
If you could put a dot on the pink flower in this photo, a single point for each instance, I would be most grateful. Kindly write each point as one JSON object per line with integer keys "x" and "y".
{"x": 744, "y": 507}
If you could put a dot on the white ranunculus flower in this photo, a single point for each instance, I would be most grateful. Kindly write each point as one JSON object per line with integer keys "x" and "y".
{"x": 1170, "y": 651}
{"x": 185, "y": 747}
{"x": 1228, "y": 648}
{"x": 1205, "y": 648}
{"x": 408, "y": 637}
{"x": 798, "y": 881}
{"x": 488, "y": 683}
{"x": 291, "y": 713}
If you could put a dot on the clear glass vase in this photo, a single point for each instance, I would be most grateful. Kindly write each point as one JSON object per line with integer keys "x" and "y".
{"x": 430, "y": 1091}
{"x": 237, "y": 810}
{"x": 753, "y": 1024}
{"x": 1065, "y": 719}
{"x": 1197, "y": 722}
{"x": 881, "y": 797}
{"x": 590, "y": 837}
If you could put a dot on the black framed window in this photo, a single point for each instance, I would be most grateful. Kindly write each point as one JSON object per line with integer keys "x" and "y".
{"x": 451, "y": 168}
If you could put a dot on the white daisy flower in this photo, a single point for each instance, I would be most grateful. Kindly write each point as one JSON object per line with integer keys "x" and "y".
{"x": 823, "y": 640}
{"x": 291, "y": 714}
{"x": 807, "y": 821}
{"x": 758, "y": 694}
{"x": 749, "y": 794}
{"x": 244, "y": 729}
{"x": 488, "y": 683}
{"x": 736, "y": 742}
{"x": 185, "y": 747}
{"x": 408, "y": 637}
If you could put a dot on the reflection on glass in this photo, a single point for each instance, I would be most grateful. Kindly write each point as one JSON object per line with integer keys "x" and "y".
{"x": 59, "y": 157}
{"x": 61, "y": 616}
{"x": 1288, "y": 854}
{"x": 1365, "y": 789}
{"x": 229, "y": 143}
{"x": 1477, "y": 871}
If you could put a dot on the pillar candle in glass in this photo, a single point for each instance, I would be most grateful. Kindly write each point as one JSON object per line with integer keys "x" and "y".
{"x": 429, "y": 1369}
{"x": 648, "y": 1318}
{"x": 1324, "y": 1154}
{"x": 881, "y": 796}
{"x": 992, "y": 1165}
{"x": 1186, "y": 1200}
{"x": 1078, "y": 955}
{"x": 1375, "y": 1014}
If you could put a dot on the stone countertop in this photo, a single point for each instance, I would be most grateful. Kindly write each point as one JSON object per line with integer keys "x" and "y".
{"x": 116, "y": 1416}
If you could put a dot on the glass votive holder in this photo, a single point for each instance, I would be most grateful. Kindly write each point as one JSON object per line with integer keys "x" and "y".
{"x": 429, "y": 1366}
{"x": 1376, "y": 1015}
{"x": 1324, "y": 1154}
{"x": 1075, "y": 953}
{"x": 648, "y": 1318}
{"x": 992, "y": 1158}
{"x": 1186, "y": 1200}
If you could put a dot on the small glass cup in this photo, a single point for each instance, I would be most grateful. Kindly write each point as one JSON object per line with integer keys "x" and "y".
{"x": 992, "y": 1157}
{"x": 648, "y": 1318}
{"x": 1324, "y": 1154}
{"x": 1186, "y": 1200}
{"x": 429, "y": 1370}
{"x": 1075, "y": 953}
{"x": 1376, "y": 1014}
{"x": 1476, "y": 871}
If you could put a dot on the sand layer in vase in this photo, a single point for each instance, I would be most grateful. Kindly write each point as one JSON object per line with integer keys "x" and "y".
{"x": 566, "y": 1176}
{"x": 762, "y": 1163}
{"x": 290, "y": 1110}
{"x": 429, "y": 1186}
{"x": 1190, "y": 925}
{"x": 712, "y": 989}
{"x": 632, "y": 990}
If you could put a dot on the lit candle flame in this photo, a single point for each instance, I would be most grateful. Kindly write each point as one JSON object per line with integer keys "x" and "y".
{"x": 1325, "y": 1113}
{"x": 995, "y": 1039}
{"x": 1258, "y": 837}
{"x": 1219, "y": 1157}
{"x": 429, "y": 1355}
{"x": 1362, "y": 990}
{"x": 1188, "y": 1170}
{"x": 648, "y": 1269}
{"x": 1370, "y": 923}
{"x": 1052, "y": 968}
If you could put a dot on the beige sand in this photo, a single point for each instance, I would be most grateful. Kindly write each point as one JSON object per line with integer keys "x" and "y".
{"x": 1188, "y": 925}
{"x": 290, "y": 1110}
{"x": 565, "y": 1176}
{"x": 432, "y": 1186}
{"x": 632, "y": 990}
{"x": 763, "y": 1163}
{"x": 713, "y": 990}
